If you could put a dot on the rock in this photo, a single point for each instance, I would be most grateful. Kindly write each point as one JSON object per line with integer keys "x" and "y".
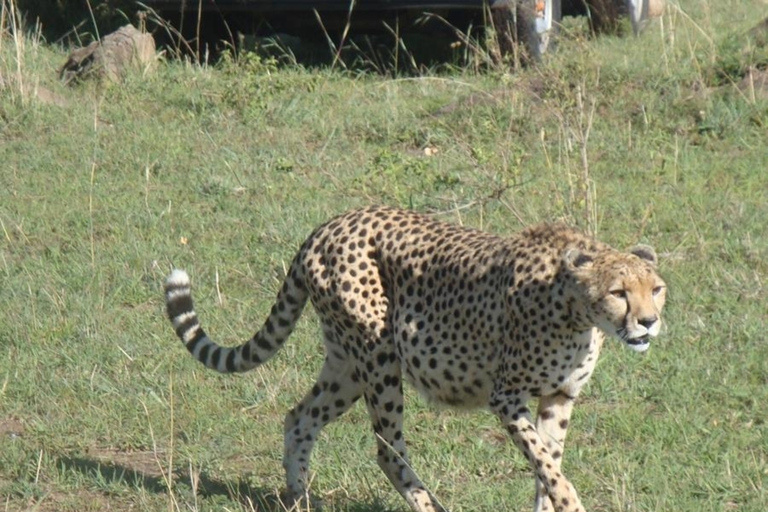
{"x": 656, "y": 8}
{"x": 111, "y": 57}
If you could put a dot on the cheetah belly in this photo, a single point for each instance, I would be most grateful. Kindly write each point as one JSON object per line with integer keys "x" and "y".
{"x": 446, "y": 374}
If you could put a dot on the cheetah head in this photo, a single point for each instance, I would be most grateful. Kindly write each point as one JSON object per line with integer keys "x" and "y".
{"x": 624, "y": 292}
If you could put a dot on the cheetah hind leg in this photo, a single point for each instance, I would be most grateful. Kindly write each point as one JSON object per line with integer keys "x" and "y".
{"x": 384, "y": 399}
{"x": 334, "y": 392}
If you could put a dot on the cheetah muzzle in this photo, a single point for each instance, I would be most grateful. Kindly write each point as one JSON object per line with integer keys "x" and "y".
{"x": 468, "y": 318}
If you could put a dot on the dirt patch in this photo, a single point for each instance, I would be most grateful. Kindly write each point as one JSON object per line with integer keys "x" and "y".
{"x": 81, "y": 500}
{"x": 10, "y": 84}
{"x": 472, "y": 101}
{"x": 754, "y": 85}
{"x": 11, "y": 427}
{"x": 495, "y": 436}
{"x": 533, "y": 88}
{"x": 144, "y": 463}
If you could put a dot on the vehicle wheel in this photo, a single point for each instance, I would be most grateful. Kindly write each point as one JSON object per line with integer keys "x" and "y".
{"x": 641, "y": 11}
{"x": 533, "y": 23}
{"x": 537, "y": 25}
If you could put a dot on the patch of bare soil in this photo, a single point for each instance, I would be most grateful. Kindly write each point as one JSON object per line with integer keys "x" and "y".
{"x": 144, "y": 462}
{"x": 134, "y": 468}
{"x": 81, "y": 501}
{"x": 11, "y": 427}
{"x": 754, "y": 85}
{"x": 533, "y": 88}
{"x": 30, "y": 89}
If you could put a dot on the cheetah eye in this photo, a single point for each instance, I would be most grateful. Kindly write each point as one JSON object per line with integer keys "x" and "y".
{"x": 657, "y": 290}
{"x": 619, "y": 294}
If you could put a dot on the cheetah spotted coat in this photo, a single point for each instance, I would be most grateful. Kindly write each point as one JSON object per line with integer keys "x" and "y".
{"x": 468, "y": 318}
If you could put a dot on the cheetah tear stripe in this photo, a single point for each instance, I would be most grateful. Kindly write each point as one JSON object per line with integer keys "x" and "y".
{"x": 262, "y": 346}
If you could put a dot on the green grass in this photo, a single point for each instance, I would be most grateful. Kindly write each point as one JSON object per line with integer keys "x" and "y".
{"x": 223, "y": 171}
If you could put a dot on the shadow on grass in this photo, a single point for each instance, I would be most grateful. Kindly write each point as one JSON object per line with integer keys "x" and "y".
{"x": 150, "y": 479}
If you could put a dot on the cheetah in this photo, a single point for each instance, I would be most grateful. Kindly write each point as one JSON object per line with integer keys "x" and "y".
{"x": 470, "y": 319}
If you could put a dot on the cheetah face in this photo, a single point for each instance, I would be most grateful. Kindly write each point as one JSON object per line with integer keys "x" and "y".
{"x": 625, "y": 293}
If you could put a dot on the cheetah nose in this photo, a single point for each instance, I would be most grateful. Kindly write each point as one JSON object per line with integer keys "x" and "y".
{"x": 647, "y": 322}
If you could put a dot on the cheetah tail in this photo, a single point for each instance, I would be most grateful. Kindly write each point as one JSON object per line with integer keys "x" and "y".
{"x": 263, "y": 345}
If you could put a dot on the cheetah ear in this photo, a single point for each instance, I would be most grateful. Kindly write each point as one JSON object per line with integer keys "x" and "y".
{"x": 576, "y": 259}
{"x": 645, "y": 252}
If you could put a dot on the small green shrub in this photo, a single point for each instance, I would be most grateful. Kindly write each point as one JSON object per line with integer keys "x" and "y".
{"x": 738, "y": 53}
{"x": 75, "y": 18}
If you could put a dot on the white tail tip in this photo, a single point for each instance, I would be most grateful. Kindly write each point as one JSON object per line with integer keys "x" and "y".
{"x": 178, "y": 278}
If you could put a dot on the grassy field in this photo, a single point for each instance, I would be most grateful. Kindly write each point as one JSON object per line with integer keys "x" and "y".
{"x": 224, "y": 169}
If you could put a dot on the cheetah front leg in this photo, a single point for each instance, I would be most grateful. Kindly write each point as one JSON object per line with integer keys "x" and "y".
{"x": 519, "y": 423}
{"x": 554, "y": 414}
{"x": 552, "y": 425}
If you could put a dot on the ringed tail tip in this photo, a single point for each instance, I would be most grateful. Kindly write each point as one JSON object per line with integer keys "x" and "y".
{"x": 177, "y": 279}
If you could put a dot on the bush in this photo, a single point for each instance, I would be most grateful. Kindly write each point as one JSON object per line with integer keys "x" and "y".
{"x": 74, "y": 20}
{"x": 738, "y": 53}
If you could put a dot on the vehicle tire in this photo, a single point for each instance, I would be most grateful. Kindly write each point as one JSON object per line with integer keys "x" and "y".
{"x": 537, "y": 24}
{"x": 639, "y": 14}
{"x": 605, "y": 15}
{"x": 534, "y": 23}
